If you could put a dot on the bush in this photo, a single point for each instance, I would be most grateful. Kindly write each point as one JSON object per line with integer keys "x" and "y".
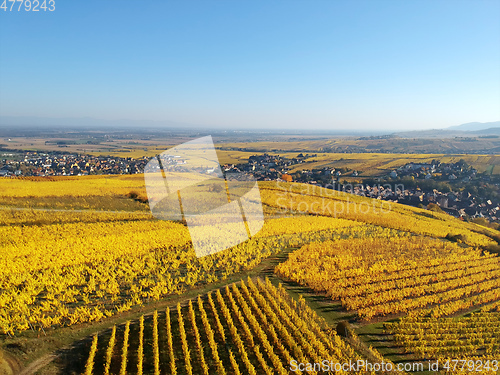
{"x": 137, "y": 197}
{"x": 459, "y": 238}
{"x": 494, "y": 249}
{"x": 344, "y": 329}
{"x": 434, "y": 207}
{"x": 133, "y": 194}
{"x": 481, "y": 221}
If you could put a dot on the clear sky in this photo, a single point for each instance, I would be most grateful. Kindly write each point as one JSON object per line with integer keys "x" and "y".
{"x": 309, "y": 64}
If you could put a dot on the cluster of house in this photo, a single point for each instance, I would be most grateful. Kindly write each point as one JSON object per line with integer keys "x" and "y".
{"x": 458, "y": 204}
{"x": 437, "y": 171}
{"x": 267, "y": 167}
{"x": 62, "y": 164}
{"x": 263, "y": 167}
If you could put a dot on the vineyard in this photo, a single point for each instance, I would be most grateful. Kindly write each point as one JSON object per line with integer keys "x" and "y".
{"x": 96, "y": 192}
{"x": 314, "y": 200}
{"x": 248, "y": 328}
{"x": 74, "y": 186}
{"x": 378, "y": 277}
{"x": 427, "y": 337}
{"x": 66, "y": 267}
{"x": 64, "y": 263}
{"x": 81, "y": 267}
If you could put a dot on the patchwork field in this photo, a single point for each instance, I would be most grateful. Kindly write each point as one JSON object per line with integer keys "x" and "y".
{"x": 371, "y": 164}
{"x": 371, "y": 157}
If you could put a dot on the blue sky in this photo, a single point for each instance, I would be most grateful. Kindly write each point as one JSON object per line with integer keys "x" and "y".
{"x": 317, "y": 64}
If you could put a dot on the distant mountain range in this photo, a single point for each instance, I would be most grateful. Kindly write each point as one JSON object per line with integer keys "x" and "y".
{"x": 475, "y": 126}
{"x": 14, "y": 124}
{"x": 471, "y": 129}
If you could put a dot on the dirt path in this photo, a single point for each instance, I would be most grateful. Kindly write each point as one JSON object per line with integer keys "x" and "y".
{"x": 37, "y": 364}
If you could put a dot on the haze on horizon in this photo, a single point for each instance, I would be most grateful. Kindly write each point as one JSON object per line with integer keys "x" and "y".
{"x": 364, "y": 65}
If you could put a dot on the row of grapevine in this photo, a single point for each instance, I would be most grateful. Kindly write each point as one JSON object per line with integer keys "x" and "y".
{"x": 429, "y": 337}
{"x": 460, "y": 345}
{"x": 379, "y": 277}
{"x": 250, "y": 328}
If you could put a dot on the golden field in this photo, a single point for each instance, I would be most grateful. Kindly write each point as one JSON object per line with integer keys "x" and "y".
{"x": 81, "y": 250}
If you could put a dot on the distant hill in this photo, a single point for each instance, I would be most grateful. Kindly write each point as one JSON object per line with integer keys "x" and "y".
{"x": 489, "y": 131}
{"x": 475, "y": 126}
{"x": 471, "y": 129}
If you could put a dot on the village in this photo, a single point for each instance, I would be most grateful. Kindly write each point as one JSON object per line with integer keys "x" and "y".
{"x": 31, "y": 163}
{"x": 411, "y": 184}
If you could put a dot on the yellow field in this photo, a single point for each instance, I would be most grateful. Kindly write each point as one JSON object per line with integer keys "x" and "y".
{"x": 77, "y": 186}
{"x": 471, "y": 337}
{"x": 378, "y": 277}
{"x": 279, "y": 196}
{"x": 64, "y": 267}
{"x": 310, "y": 199}
{"x": 82, "y": 265}
{"x": 79, "y": 250}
